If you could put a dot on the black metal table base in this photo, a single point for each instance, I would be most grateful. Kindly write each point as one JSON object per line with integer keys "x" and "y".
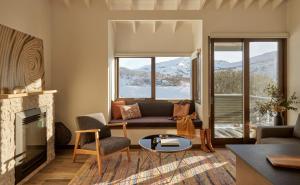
{"x": 149, "y": 157}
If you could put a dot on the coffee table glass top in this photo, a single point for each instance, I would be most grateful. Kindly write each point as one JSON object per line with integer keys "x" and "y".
{"x": 153, "y": 144}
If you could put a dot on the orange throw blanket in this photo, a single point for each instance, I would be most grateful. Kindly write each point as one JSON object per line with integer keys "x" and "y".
{"x": 186, "y": 127}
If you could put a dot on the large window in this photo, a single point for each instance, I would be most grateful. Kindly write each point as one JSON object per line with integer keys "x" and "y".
{"x": 155, "y": 77}
{"x": 173, "y": 77}
{"x": 134, "y": 77}
{"x": 241, "y": 69}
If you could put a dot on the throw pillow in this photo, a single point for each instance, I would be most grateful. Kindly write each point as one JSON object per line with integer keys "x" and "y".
{"x": 130, "y": 111}
{"x": 297, "y": 128}
{"x": 116, "y": 109}
{"x": 181, "y": 110}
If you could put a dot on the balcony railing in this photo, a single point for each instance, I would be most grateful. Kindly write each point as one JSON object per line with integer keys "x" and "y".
{"x": 229, "y": 110}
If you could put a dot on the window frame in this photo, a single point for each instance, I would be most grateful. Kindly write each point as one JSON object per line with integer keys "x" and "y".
{"x": 282, "y": 66}
{"x": 193, "y": 88}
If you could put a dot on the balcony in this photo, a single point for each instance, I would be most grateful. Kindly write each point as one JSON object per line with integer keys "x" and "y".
{"x": 229, "y": 116}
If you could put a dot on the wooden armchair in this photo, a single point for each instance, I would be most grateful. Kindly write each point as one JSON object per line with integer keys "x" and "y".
{"x": 94, "y": 138}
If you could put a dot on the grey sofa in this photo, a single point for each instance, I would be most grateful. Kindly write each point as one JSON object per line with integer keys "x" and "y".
{"x": 155, "y": 114}
{"x": 279, "y": 134}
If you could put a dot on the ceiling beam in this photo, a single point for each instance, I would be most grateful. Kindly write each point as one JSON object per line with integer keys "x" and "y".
{"x": 154, "y": 26}
{"x": 87, "y": 3}
{"x": 175, "y": 26}
{"x": 248, "y": 3}
{"x": 219, "y": 4}
{"x": 134, "y": 26}
{"x": 202, "y": 4}
{"x": 132, "y": 5}
{"x": 233, "y": 3}
{"x": 262, "y": 3}
{"x": 108, "y": 4}
{"x": 179, "y": 4}
{"x": 155, "y": 5}
{"x": 276, "y": 3}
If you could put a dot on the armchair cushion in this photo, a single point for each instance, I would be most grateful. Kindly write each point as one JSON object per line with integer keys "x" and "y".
{"x": 109, "y": 145}
{"x": 297, "y": 128}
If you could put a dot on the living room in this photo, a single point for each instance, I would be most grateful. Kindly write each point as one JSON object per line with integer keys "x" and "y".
{"x": 205, "y": 74}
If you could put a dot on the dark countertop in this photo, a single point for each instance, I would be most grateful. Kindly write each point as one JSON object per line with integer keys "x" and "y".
{"x": 255, "y": 157}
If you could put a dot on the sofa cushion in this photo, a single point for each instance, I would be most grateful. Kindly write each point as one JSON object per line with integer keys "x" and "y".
{"x": 156, "y": 108}
{"x": 130, "y": 111}
{"x": 279, "y": 140}
{"x": 181, "y": 110}
{"x": 116, "y": 109}
{"x": 297, "y": 128}
{"x": 154, "y": 121}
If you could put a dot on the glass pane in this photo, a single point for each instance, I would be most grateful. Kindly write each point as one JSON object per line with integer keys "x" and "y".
{"x": 135, "y": 77}
{"x": 173, "y": 77}
{"x": 263, "y": 71}
{"x": 228, "y": 90}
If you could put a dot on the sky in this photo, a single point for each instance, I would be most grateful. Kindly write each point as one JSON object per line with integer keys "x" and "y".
{"x": 256, "y": 48}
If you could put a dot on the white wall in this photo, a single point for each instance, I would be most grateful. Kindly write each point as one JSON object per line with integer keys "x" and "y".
{"x": 145, "y": 41}
{"x": 197, "y": 35}
{"x": 31, "y": 17}
{"x": 80, "y": 50}
{"x": 293, "y": 24}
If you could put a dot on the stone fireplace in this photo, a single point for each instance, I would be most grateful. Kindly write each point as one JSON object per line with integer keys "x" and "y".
{"x": 11, "y": 107}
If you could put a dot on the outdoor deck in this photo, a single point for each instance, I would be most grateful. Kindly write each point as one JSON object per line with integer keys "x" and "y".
{"x": 229, "y": 116}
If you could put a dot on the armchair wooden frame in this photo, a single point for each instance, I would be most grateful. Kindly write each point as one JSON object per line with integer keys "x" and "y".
{"x": 97, "y": 153}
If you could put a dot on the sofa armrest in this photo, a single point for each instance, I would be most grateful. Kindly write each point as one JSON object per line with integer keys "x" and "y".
{"x": 273, "y": 131}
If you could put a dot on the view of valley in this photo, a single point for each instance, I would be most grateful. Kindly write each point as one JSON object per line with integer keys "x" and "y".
{"x": 173, "y": 76}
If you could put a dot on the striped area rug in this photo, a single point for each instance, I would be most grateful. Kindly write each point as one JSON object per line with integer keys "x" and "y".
{"x": 197, "y": 168}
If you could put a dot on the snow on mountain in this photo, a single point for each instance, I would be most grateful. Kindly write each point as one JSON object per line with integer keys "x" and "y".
{"x": 178, "y": 66}
{"x": 177, "y": 71}
{"x": 263, "y": 64}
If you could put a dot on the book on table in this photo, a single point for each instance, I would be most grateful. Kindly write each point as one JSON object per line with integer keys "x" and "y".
{"x": 169, "y": 142}
{"x": 284, "y": 161}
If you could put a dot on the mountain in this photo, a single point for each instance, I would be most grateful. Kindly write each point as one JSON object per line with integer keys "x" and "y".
{"x": 262, "y": 64}
{"x": 169, "y": 73}
{"x": 179, "y": 66}
{"x": 177, "y": 71}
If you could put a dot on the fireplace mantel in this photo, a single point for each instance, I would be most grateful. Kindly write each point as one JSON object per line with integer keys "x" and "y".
{"x": 20, "y": 95}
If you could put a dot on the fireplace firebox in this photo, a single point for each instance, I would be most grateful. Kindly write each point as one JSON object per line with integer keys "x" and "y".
{"x": 31, "y": 141}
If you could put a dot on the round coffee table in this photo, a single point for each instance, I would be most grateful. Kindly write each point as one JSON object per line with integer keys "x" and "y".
{"x": 151, "y": 145}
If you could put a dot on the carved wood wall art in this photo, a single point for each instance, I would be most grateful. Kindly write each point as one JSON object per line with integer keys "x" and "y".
{"x": 21, "y": 61}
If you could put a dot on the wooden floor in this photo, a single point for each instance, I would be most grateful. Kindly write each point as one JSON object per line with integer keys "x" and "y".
{"x": 60, "y": 171}
{"x": 231, "y": 132}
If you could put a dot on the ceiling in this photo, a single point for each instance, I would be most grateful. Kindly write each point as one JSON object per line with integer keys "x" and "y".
{"x": 178, "y": 5}
{"x": 155, "y": 24}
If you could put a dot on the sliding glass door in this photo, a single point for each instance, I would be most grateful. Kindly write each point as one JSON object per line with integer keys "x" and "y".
{"x": 265, "y": 69}
{"x": 240, "y": 71}
{"x": 228, "y": 89}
